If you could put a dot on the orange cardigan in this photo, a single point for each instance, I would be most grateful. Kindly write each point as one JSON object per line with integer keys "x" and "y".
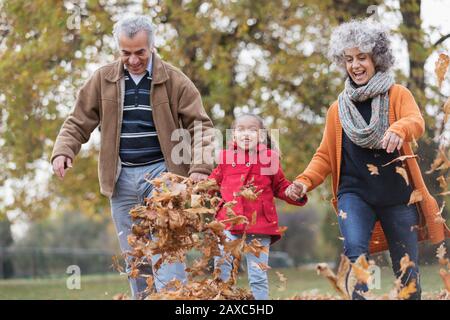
{"x": 405, "y": 120}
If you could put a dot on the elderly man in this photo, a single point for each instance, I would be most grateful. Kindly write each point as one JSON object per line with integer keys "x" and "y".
{"x": 137, "y": 101}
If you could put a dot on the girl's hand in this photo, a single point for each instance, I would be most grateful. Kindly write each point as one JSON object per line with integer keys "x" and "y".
{"x": 296, "y": 190}
{"x": 391, "y": 141}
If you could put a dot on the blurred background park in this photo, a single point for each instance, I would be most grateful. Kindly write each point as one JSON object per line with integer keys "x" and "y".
{"x": 265, "y": 56}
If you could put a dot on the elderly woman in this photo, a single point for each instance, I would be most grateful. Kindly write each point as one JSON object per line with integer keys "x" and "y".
{"x": 371, "y": 124}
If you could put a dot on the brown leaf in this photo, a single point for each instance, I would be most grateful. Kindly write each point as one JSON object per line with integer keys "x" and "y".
{"x": 416, "y": 196}
{"x": 249, "y": 193}
{"x": 236, "y": 220}
{"x": 196, "y": 200}
{"x": 446, "y": 108}
{"x": 373, "y": 169}
{"x": 441, "y": 67}
{"x": 262, "y": 266}
{"x": 283, "y": 281}
{"x": 202, "y": 210}
{"x": 402, "y": 171}
{"x": 442, "y": 182}
{"x": 360, "y": 269}
{"x": 255, "y": 247}
{"x": 401, "y": 158}
{"x": 405, "y": 263}
{"x": 282, "y": 229}
{"x": 441, "y": 162}
{"x": 116, "y": 264}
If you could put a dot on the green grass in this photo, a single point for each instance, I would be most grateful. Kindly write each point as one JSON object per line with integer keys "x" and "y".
{"x": 99, "y": 287}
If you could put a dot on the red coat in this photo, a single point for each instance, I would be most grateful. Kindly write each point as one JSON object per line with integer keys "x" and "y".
{"x": 237, "y": 168}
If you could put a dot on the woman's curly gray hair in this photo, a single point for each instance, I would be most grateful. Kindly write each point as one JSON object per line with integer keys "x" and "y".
{"x": 366, "y": 35}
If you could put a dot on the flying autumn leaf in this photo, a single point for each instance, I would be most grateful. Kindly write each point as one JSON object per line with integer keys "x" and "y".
{"x": 261, "y": 266}
{"x": 441, "y": 252}
{"x": 402, "y": 171}
{"x": 343, "y": 214}
{"x": 282, "y": 229}
{"x": 372, "y": 169}
{"x": 441, "y": 67}
{"x": 283, "y": 281}
{"x": 235, "y": 220}
{"x": 441, "y": 161}
{"x": 446, "y": 109}
{"x": 405, "y": 264}
{"x": 401, "y": 158}
{"x": 416, "y": 196}
{"x": 442, "y": 182}
{"x": 249, "y": 193}
{"x": 439, "y": 218}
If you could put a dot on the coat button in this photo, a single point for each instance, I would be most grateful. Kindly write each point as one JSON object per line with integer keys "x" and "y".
{"x": 233, "y": 164}
{"x": 248, "y": 164}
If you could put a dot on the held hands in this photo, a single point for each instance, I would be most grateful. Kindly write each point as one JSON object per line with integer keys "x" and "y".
{"x": 296, "y": 190}
{"x": 60, "y": 165}
{"x": 196, "y": 177}
{"x": 391, "y": 141}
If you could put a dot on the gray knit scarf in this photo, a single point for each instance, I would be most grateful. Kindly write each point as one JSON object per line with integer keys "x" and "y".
{"x": 363, "y": 134}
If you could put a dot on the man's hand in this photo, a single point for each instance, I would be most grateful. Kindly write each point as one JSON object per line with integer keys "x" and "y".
{"x": 196, "y": 177}
{"x": 60, "y": 165}
{"x": 296, "y": 190}
{"x": 391, "y": 141}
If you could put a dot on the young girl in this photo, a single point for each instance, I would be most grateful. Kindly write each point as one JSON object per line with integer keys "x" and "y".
{"x": 248, "y": 161}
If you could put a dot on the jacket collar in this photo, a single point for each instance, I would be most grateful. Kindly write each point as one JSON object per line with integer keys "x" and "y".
{"x": 159, "y": 73}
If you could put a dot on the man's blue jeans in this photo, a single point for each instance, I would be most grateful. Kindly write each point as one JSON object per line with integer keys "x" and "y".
{"x": 130, "y": 190}
{"x": 399, "y": 225}
{"x": 257, "y": 278}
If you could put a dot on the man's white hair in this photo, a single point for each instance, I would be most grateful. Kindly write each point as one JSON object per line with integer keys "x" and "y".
{"x": 132, "y": 25}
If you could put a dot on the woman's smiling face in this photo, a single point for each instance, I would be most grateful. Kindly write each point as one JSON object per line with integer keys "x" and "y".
{"x": 359, "y": 65}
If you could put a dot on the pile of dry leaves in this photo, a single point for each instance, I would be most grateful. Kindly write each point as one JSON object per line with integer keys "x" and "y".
{"x": 180, "y": 215}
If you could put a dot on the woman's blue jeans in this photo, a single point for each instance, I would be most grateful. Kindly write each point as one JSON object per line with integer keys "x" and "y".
{"x": 399, "y": 225}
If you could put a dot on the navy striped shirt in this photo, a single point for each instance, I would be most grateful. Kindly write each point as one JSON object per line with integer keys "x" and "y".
{"x": 139, "y": 144}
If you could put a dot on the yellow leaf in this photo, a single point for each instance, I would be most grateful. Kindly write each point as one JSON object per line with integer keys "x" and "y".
{"x": 416, "y": 196}
{"x": 441, "y": 67}
{"x": 446, "y": 110}
{"x": 401, "y": 171}
{"x": 442, "y": 182}
{"x": 373, "y": 169}
{"x": 282, "y": 229}
{"x": 283, "y": 281}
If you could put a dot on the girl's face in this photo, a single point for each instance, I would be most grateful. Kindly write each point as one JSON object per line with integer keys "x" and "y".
{"x": 246, "y": 133}
{"x": 359, "y": 65}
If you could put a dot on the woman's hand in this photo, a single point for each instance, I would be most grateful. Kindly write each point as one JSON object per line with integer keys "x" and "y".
{"x": 296, "y": 190}
{"x": 391, "y": 141}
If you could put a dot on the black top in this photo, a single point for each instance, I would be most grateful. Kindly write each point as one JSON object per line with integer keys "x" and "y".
{"x": 386, "y": 189}
{"x": 139, "y": 143}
